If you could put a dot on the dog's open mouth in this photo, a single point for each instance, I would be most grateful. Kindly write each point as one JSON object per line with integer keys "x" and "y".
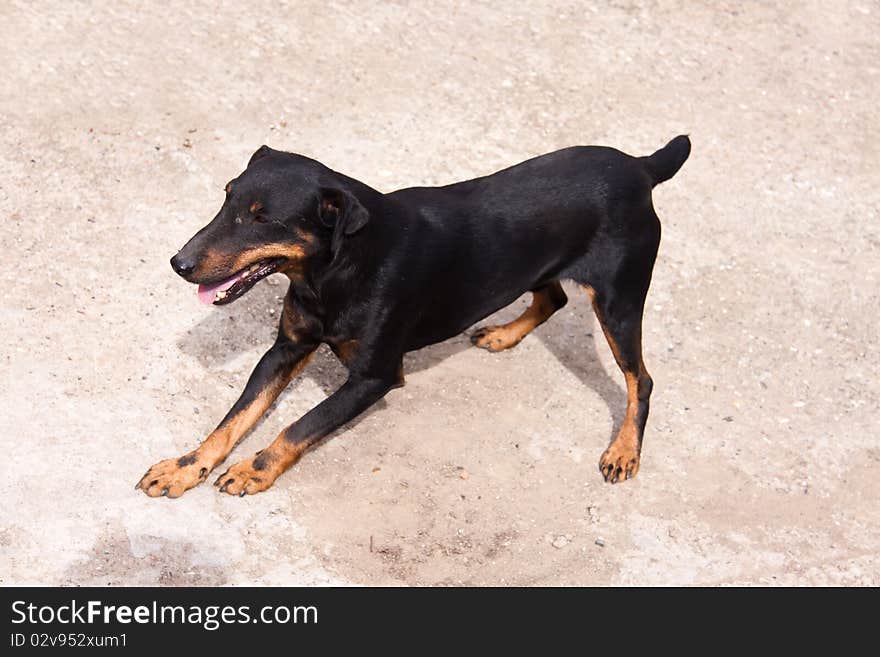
{"x": 235, "y": 286}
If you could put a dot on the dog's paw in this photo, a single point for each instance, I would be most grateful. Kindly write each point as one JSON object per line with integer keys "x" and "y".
{"x": 244, "y": 479}
{"x": 173, "y": 477}
{"x": 619, "y": 462}
{"x": 494, "y": 338}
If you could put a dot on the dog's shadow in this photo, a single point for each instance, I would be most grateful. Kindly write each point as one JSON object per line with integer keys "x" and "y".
{"x": 571, "y": 335}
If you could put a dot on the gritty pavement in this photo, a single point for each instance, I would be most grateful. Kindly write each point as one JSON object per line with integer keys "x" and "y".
{"x": 121, "y": 122}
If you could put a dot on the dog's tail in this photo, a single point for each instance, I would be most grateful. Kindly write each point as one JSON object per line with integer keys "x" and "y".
{"x": 666, "y": 162}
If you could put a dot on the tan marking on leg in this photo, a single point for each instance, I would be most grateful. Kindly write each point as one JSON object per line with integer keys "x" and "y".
{"x": 173, "y": 477}
{"x": 598, "y": 311}
{"x": 259, "y": 472}
{"x": 507, "y": 336}
{"x": 622, "y": 458}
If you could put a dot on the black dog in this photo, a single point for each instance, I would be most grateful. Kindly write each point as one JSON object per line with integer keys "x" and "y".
{"x": 377, "y": 275}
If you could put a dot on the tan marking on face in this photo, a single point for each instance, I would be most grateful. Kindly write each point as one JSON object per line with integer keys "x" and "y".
{"x": 305, "y": 237}
{"x": 217, "y": 263}
{"x": 292, "y": 252}
{"x": 211, "y": 261}
{"x": 256, "y": 206}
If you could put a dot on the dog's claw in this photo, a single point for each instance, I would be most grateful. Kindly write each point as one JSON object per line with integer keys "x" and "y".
{"x": 140, "y": 484}
{"x": 619, "y": 463}
{"x": 170, "y": 479}
{"x": 611, "y": 473}
{"x": 243, "y": 480}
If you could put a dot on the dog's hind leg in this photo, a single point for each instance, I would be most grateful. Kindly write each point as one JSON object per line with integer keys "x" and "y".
{"x": 619, "y": 299}
{"x": 622, "y": 328}
{"x": 546, "y": 300}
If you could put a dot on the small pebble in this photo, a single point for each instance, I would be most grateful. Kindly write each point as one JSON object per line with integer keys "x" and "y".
{"x": 600, "y": 542}
{"x": 560, "y": 542}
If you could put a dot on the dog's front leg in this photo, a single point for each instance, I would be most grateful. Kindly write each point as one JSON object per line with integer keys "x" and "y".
{"x": 275, "y": 370}
{"x": 261, "y": 470}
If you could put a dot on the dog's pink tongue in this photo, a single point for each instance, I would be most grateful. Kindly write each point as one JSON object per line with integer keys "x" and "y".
{"x": 207, "y": 293}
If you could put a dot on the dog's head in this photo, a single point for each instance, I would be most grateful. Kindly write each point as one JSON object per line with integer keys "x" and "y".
{"x": 284, "y": 213}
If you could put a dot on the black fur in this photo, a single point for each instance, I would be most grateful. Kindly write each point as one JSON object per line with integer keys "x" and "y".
{"x": 378, "y": 275}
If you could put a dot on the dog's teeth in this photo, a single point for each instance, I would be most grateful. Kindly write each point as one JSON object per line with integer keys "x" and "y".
{"x": 220, "y": 295}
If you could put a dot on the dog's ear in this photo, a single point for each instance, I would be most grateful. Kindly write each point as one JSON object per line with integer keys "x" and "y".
{"x": 262, "y": 151}
{"x": 340, "y": 210}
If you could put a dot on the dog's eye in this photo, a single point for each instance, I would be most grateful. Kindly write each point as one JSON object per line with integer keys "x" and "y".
{"x": 257, "y": 214}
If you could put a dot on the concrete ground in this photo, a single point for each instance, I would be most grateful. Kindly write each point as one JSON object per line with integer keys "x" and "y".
{"x": 121, "y": 122}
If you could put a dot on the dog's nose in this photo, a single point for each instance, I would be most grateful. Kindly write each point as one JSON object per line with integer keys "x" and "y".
{"x": 182, "y": 266}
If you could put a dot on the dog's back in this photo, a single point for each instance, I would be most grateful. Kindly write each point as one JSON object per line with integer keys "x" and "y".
{"x": 521, "y": 227}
